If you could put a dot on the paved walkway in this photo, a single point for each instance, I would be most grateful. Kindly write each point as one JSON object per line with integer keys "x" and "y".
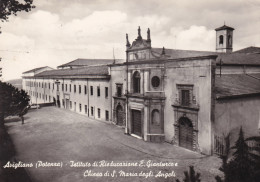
{"x": 57, "y": 135}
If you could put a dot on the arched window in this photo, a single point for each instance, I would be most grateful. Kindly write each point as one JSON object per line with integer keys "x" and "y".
{"x": 221, "y": 39}
{"x": 230, "y": 40}
{"x": 136, "y": 82}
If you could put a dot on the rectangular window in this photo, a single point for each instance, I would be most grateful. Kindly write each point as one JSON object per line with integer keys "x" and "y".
{"x": 79, "y": 107}
{"x": 70, "y": 87}
{"x": 53, "y": 86}
{"x": 185, "y": 94}
{"x": 98, "y": 113}
{"x": 75, "y": 88}
{"x": 80, "y": 89}
{"x": 185, "y": 97}
{"x": 58, "y": 87}
{"x": 75, "y": 106}
{"x": 49, "y": 85}
{"x": 119, "y": 88}
{"x": 46, "y": 97}
{"x": 45, "y": 85}
{"x": 106, "y": 91}
{"x": 107, "y": 115}
{"x": 91, "y": 90}
{"x": 40, "y": 95}
{"x": 98, "y": 91}
{"x": 86, "y": 109}
{"x": 42, "y": 85}
{"x": 66, "y": 87}
{"x": 63, "y": 103}
{"x": 70, "y": 105}
{"x": 85, "y": 89}
{"x": 92, "y": 111}
{"x": 62, "y": 87}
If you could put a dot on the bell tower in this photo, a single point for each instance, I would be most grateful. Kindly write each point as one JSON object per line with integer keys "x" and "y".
{"x": 224, "y": 39}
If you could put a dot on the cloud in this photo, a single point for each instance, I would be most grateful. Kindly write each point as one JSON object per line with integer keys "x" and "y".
{"x": 193, "y": 38}
{"x": 95, "y": 24}
{"x": 10, "y": 42}
{"x": 50, "y": 41}
{"x": 58, "y": 31}
{"x": 196, "y": 38}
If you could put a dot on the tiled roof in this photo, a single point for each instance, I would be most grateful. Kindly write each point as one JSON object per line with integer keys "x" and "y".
{"x": 35, "y": 69}
{"x": 237, "y": 85}
{"x": 89, "y": 62}
{"x": 249, "y": 50}
{"x": 224, "y": 27}
{"x": 239, "y": 59}
{"x": 176, "y": 53}
{"x": 226, "y": 58}
{"x": 90, "y": 70}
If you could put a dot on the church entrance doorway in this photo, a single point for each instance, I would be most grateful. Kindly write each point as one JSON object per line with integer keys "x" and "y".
{"x": 119, "y": 115}
{"x": 186, "y": 133}
{"x": 67, "y": 104}
{"x": 136, "y": 122}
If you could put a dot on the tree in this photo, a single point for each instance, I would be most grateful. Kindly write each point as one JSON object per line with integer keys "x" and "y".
{"x": 241, "y": 162}
{"x": 9, "y": 7}
{"x": 225, "y": 168}
{"x": 12, "y": 102}
{"x": 255, "y": 156}
{"x": 244, "y": 165}
{"x": 190, "y": 176}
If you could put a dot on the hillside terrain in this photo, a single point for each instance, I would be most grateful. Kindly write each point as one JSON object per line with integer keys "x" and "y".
{"x": 16, "y": 82}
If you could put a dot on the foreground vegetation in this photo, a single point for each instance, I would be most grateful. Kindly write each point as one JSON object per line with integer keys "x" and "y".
{"x": 243, "y": 165}
{"x": 13, "y": 102}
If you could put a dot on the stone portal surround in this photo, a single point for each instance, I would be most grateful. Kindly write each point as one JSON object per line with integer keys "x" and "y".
{"x": 192, "y": 115}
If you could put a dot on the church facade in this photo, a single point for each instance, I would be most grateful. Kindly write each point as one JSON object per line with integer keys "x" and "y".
{"x": 186, "y": 98}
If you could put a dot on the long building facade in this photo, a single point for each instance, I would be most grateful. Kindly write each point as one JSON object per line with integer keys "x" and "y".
{"x": 186, "y": 98}
{"x": 75, "y": 90}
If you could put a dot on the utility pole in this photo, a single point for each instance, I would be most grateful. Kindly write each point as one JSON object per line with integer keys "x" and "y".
{"x": 1, "y": 69}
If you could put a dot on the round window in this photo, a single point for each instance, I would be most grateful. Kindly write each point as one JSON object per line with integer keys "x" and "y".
{"x": 155, "y": 81}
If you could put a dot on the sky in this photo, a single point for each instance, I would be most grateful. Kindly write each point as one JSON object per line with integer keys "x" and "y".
{"x": 59, "y": 31}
